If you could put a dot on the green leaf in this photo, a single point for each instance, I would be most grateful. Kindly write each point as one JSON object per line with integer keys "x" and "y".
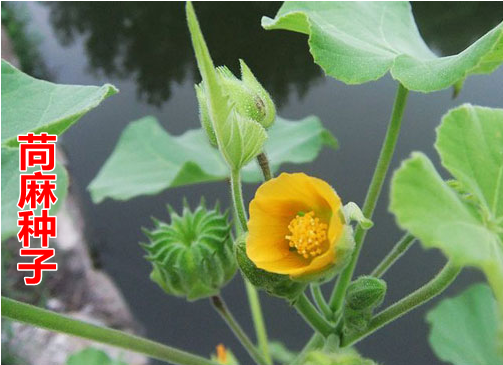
{"x": 31, "y": 105}
{"x": 463, "y": 329}
{"x": 148, "y": 160}
{"x": 239, "y": 138}
{"x": 469, "y": 231}
{"x": 293, "y": 142}
{"x": 357, "y": 42}
{"x": 470, "y": 144}
{"x": 92, "y": 356}
{"x": 10, "y": 190}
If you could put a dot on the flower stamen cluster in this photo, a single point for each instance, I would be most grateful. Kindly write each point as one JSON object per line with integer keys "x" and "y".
{"x": 308, "y": 234}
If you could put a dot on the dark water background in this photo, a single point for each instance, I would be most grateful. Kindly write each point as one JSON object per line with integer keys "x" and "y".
{"x": 144, "y": 49}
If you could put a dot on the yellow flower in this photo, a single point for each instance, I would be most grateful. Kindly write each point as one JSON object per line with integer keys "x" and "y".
{"x": 296, "y": 225}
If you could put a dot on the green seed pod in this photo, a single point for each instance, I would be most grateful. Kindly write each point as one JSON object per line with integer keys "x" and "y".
{"x": 204, "y": 115}
{"x": 366, "y": 292}
{"x": 248, "y": 95}
{"x": 192, "y": 256}
{"x": 274, "y": 284}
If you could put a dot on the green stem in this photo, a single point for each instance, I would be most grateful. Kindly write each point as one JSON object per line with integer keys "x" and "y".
{"x": 320, "y": 301}
{"x": 221, "y": 308}
{"x": 52, "y": 321}
{"x": 314, "y": 343}
{"x": 253, "y": 299}
{"x": 398, "y": 250}
{"x": 312, "y": 316}
{"x": 258, "y": 320}
{"x": 264, "y": 166}
{"x": 237, "y": 197}
{"x": 373, "y": 193}
{"x": 434, "y": 287}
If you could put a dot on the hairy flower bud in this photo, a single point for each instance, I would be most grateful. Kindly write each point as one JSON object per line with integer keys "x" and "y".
{"x": 366, "y": 292}
{"x": 248, "y": 98}
{"x": 248, "y": 95}
{"x": 192, "y": 256}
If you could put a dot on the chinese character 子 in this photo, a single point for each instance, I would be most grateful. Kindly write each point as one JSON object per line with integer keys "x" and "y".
{"x": 37, "y": 150}
{"x": 38, "y": 265}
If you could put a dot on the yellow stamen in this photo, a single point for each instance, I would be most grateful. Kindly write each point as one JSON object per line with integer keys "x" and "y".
{"x": 308, "y": 234}
{"x": 221, "y": 354}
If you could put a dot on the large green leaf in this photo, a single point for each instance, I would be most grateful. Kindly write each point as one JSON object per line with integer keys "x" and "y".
{"x": 357, "y": 42}
{"x": 465, "y": 223}
{"x": 148, "y": 160}
{"x": 31, "y": 105}
{"x": 10, "y": 190}
{"x": 470, "y": 143}
{"x": 463, "y": 329}
{"x": 92, "y": 356}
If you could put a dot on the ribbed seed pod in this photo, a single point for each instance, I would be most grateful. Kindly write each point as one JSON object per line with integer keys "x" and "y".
{"x": 192, "y": 256}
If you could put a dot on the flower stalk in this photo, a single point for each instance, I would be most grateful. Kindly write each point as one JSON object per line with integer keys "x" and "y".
{"x": 307, "y": 310}
{"x": 320, "y": 301}
{"x": 396, "y": 252}
{"x": 373, "y": 193}
{"x": 430, "y": 290}
{"x": 221, "y": 308}
{"x": 253, "y": 298}
{"x": 264, "y": 166}
{"x": 56, "y": 322}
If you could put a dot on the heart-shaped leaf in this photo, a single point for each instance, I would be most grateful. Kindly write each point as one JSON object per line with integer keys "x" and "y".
{"x": 463, "y": 329}
{"x": 148, "y": 160}
{"x": 465, "y": 223}
{"x": 31, "y": 105}
{"x": 357, "y": 42}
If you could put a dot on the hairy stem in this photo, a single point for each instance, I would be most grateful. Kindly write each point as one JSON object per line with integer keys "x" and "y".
{"x": 312, "y": 316}
{"x": 237, "y": 198}
{"x": 258, "y": 321}
{"x": 52, "y": 321}
{"x": 264, "y": 166}
{"x": 373, "y": 193}
{"x": 433, "y": 288}
{"x": 320, "y": 301}
{"x": 221, "y": 308}
{"x": 253, "y": 298}
{"x": 397, "y": 251}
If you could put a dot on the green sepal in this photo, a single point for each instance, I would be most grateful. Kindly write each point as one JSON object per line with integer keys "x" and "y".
{"x": 192, "y": 256}
{"x": 356, "y": 321}
{"x": 274, "y": 284}
{"x": 366, "y": 292}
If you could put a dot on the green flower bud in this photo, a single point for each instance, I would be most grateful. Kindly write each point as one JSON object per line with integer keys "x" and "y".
{"x": 204, "y": 115}
{"x": 345, "y": 356}
{"x": 247, "y": 95}
{"x": 192, "y": 256}
{"x": 366, "y": 292}
{"x": 274, "y": 284}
